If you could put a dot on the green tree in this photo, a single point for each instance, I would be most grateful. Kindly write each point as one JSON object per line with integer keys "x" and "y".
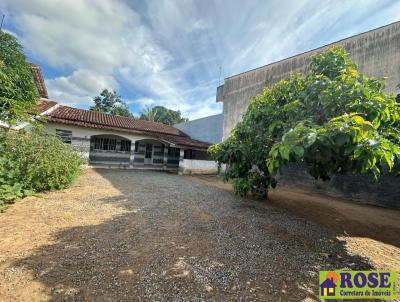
{"x": 18, "y": 93}
{"x": 333, "y": 120}
{"x": 163, "y": 115}
{"x": 110, "y": 102}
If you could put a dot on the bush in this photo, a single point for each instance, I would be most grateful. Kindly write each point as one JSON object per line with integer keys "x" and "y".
{"x": 34, "y": 162}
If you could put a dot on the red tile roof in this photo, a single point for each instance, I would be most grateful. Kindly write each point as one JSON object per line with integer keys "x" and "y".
{"x": 44, "y": 105}
{"x": 39, "y": 81}
{"x": 94, "y": 119}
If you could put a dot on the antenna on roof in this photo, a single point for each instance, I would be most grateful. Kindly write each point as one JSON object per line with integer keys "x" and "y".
{"x": 219, "y": 79}
{"x": 2, "y": 20}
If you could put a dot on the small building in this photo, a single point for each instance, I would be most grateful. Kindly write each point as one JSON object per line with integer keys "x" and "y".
{"x": 207, "y": 129}
{"x": 106, "y": 140}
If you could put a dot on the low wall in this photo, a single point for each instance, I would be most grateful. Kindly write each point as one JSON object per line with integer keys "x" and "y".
{"x": 193, "y": 166}
{"x": 82, "y": 145}
{"x": 361, "y": 188}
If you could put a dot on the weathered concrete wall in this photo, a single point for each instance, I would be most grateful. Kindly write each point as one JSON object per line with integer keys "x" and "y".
{"x": 193, "y": 166}
{"x": 361, "y": 188}
{"x": 377, "y": 53}
{"x": 206, "y": 129}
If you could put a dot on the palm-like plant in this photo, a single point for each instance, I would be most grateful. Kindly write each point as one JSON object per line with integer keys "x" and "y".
{"x": 149, "y": 114}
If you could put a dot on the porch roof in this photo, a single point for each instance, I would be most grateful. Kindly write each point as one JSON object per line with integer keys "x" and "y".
{"x": 94, "y": 119}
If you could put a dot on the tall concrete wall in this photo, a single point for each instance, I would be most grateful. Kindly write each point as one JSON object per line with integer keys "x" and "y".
{"x": 206, "y": 129}
{"x": 384, "y": 192}
{"x": 376, "y": 52}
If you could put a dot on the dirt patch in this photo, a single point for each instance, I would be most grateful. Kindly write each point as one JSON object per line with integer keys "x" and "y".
{"x": 370, "y": 231}
{"x": 151, "y": 236}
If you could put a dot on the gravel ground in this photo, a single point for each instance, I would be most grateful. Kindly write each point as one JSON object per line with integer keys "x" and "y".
{"x": 152, "y": 236}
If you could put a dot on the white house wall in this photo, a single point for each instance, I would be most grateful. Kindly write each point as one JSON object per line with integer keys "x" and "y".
{"x": 81, "y": 136}
{"x": 193, "y": 166}
{"x": 81, "y": 141}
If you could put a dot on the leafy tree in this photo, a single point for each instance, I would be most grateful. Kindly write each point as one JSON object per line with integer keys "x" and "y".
{"x": 162, "y": 115}
{"x": 110, "y": 102}
{"x": 333, "y": 120}
{"x": 18, "y": 93}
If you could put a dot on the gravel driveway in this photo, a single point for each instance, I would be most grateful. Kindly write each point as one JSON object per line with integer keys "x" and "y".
{"x": 152, "y": 236}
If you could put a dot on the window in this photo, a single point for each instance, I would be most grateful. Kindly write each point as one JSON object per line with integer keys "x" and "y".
{"x": 189, "y": 154}
{"x": 105, "y": 144}
{"x": 136, "y": 146}
{"x": 125, "y": 145}
{"x": 64, "y": 135}
{"x": 174, "y": 152}
{"x": 158, "y": 150}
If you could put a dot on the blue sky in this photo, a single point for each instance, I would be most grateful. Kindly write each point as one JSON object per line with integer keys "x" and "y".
{"x": 169, "y": 53}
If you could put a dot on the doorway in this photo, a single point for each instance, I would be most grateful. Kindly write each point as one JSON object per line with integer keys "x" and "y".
{"x": 148, "y": 156}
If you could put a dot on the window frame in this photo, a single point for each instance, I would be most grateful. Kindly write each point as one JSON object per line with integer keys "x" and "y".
{"x": 105, "y": 144}
{"x": 64, "y": 135}
{"x": 125, "y": 146}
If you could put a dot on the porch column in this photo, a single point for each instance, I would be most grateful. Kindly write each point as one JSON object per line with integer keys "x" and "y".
{"x": 181, "y": 157}
{"x": 165, "y": 157}
{"x": 132, "y": 154}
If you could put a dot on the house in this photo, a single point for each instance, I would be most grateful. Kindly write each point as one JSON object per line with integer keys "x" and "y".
{"x": 111, "y": 141}
{"x": 328, "y": 288}
{"x": 115, "y": 141}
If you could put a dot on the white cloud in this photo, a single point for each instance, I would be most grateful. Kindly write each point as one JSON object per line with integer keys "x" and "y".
{"x": 96, "y": 39}
{"x": 142, "y": 102}
{"x": 169, "y": 52}
{"x": 79, "y": 87}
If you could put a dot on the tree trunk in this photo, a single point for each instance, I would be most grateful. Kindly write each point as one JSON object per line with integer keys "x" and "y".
{"x": 261, "y": 193}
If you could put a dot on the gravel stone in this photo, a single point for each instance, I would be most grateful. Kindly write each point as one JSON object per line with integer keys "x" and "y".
{"x": 173, "y": 239}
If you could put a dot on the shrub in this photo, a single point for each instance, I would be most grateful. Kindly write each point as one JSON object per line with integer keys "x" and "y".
{"x": 34, "y": 162}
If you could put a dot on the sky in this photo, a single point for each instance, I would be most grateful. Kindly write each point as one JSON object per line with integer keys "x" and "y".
{"x": 174, "y": 53}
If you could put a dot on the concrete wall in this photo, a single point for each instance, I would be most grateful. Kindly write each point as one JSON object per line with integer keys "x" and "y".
{"x": 206, "y": 129}
{"x": 377, "y": 53}
{"x": 361, "y": 188}
{"x": 193, "y": 166}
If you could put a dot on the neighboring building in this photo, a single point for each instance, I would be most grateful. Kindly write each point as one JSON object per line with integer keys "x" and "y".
{"x": 376, "y": 52}
{"x": 207, "y": 129}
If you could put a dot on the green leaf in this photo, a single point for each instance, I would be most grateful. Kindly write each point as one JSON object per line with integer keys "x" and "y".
{"x": 298, "y": 150}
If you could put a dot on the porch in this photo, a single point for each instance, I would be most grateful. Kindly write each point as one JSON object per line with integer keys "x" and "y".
{"x": 113, "y": 151}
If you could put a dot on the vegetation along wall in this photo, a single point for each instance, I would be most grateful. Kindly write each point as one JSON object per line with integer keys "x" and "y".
{"x": 377, "y": 53}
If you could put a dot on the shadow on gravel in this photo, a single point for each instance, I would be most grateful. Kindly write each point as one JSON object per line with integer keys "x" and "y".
{"x": 183, "y": 241}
